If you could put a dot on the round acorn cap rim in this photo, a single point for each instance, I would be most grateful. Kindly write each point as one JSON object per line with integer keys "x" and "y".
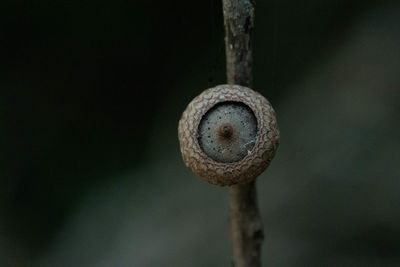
{"x": 246, "y": 169}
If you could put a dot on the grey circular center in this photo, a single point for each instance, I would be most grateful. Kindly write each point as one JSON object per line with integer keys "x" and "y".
{"x": 228, "y": 132}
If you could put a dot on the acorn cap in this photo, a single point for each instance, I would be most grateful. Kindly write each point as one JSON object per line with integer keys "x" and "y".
{"x": 228, "y": 135}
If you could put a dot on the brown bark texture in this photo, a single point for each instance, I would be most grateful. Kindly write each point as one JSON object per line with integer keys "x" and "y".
{"x": 239, "y": 23}
{"x": 246, "y": 225}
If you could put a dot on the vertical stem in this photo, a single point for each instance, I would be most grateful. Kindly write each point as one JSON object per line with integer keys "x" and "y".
{"x": 239, "y": 23}
{"x": 246, "y": 225}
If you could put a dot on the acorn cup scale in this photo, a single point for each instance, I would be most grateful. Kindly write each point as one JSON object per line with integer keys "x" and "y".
{"x": 228, "y": 135}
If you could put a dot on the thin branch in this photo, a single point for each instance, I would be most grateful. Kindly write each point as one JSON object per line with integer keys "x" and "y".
{"x": 246, "y": 225}
{"x": 239, "y": 23}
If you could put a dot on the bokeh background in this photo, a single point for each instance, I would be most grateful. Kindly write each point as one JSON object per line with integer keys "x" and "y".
{"x": 90, "y": 96}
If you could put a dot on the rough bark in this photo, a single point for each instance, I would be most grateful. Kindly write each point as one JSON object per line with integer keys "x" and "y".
{"x": 239, "y": 23}
{"x": 246, "y": 225}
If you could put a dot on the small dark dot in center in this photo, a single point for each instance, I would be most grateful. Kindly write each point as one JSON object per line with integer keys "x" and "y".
{"x": 225, "y": 130}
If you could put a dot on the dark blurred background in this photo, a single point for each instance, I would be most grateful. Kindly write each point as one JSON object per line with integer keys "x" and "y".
{"x": 90, "y": 96}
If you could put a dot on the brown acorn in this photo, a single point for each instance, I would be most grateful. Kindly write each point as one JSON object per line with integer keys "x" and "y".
{"x": 228, "y": 135}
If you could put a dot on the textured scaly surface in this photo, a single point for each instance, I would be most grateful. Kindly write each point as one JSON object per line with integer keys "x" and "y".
{"x": 240, "y": 172}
